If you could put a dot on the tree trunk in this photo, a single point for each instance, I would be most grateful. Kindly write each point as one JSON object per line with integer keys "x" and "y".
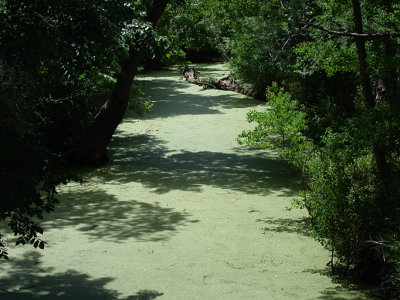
{"x": 379, "y": 154}
{"x": 390, "y": 73}
{"x": 91, "y": 149}
{"x": 362, "y": 57}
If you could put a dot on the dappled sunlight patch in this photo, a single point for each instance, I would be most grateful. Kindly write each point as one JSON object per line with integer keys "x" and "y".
{"x": 102, "y": 216}
{"x": 145, "y": 159}
{"x": 180, "y": 210}
{"x": 174, "y": 97}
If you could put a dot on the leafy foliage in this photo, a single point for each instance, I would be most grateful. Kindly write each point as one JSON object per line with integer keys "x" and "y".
{"x": 190, "y": 34}
{"x": 138, "y": 104}
{"x": 281, "y": 127}
{"x": 342, "y": 188}
{"x": 58, "y": 58}
{"x": 347, "y": 152}
{"x": 56, "y": 61}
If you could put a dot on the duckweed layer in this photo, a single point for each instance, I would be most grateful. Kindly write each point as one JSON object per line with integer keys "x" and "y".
{"x": 181, "y": 212}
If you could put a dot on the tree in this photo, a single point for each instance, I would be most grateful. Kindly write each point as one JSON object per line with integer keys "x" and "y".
{"x": 55, "y": 57}
{"x": 347, "y": 151}
{"x": 92, "y": 147}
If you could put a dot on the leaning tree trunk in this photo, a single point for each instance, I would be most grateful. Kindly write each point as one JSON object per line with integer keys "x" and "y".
{"x": 91, "y": 149}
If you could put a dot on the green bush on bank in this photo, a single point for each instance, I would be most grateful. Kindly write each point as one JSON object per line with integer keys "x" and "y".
{"x": 350, "y": 211}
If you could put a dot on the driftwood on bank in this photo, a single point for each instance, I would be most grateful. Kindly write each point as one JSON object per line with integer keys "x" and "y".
{"x": 226, "y": 83}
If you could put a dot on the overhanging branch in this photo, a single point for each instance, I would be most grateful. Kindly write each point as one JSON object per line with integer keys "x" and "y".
{"x": 368, "y": 36}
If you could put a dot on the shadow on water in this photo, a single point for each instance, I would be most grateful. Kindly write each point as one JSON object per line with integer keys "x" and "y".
{"x": 145, "y": 159}
{"x": 334, "y": 294}
{"x": 27, "y": 279}
{"x": 171, "y": 97}
{"x": 102, "y": 216}
{"x": 299, "y": 226}
{"x": 346, "y": 288}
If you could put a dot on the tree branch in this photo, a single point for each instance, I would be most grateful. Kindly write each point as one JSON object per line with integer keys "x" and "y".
{"x": 368, "y": 36}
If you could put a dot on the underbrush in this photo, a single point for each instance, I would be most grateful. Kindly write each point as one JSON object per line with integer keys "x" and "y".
{"x": 354, "y": 211}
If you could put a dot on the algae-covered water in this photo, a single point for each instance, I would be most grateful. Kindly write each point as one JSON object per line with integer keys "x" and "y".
{"x": 180, "y": 212}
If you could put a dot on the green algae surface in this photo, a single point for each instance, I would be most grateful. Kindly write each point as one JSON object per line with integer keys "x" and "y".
{"x": 180, "y": 212}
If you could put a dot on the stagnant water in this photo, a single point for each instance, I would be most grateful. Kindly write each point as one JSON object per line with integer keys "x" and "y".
{"x": 181, "y": 212}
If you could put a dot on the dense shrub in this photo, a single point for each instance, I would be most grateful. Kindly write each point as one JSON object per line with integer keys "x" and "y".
{"x": 352, "y": 214}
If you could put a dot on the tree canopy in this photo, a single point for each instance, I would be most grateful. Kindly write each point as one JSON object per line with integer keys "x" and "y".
{"x": 330, "y": 71}
{"x": 337, "y": 122}
{"x": 57, "y": 59}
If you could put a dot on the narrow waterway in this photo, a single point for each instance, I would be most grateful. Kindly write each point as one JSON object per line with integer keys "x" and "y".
{"x": 181, "y": 212}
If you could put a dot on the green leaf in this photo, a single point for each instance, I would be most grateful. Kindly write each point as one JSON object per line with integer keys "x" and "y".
{"x": 41, "y": 245}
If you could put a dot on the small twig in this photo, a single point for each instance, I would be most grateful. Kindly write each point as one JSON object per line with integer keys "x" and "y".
{"x": 279, "y": 52}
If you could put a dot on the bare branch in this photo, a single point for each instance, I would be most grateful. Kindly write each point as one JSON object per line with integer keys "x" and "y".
{"x": 380, "y": 243}
{"x": 368, "y": 36}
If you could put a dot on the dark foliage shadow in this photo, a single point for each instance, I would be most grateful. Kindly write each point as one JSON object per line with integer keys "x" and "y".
{"x": 27, "y": 279}
{"x": 103, "y": 216}
{"x": 145, "y": 159}
{"x": 334, "y": 294}
{"x": 299, "y": 226}
{"x": 348, "y": 287}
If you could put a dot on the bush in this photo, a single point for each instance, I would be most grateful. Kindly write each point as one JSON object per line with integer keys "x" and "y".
{"x": 351, "y": 212}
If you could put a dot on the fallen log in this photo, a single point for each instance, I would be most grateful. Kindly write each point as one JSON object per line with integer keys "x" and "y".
{"x": 226, "y": 83}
